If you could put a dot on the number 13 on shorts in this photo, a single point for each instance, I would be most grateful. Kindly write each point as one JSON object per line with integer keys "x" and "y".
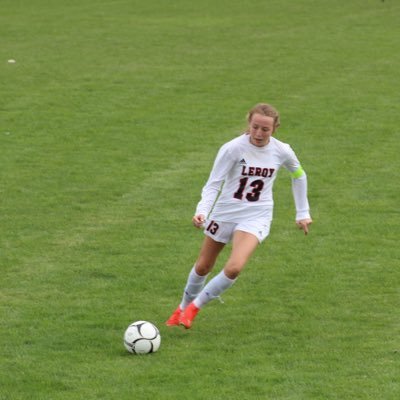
{"x": 212, "y": 227}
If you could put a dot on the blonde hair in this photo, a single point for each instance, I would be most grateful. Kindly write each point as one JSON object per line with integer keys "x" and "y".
{"x": 267, "y": 110}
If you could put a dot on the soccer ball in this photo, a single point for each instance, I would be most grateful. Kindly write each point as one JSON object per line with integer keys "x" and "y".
{"x": 142, "y": 337}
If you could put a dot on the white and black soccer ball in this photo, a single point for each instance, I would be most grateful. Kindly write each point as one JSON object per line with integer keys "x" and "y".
{"x": 142, "y": 337}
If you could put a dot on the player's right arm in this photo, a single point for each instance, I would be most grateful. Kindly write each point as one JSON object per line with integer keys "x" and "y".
{"x": 222, "y": 165}
{"x": 198, "y": 220}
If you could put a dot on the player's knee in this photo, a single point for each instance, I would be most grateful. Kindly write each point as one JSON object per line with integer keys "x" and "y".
{"x": 231, "y": 273}
{"x": 203, "y": 267}
{"x": 233, "y": 269}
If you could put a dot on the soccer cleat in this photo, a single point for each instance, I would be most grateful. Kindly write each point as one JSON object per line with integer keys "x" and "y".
{"x": 173, "y": 320}
{"x": 188, "y": 315}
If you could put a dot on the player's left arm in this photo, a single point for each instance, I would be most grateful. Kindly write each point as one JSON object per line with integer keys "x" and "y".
{"x": 299, "y": 189}
{"x": 303, "y": 224}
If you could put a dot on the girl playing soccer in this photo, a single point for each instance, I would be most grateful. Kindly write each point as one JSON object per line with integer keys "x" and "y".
{"x": 240, "y": 212}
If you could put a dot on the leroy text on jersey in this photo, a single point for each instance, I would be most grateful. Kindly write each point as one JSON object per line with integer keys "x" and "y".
{"x": 257, "y": 171}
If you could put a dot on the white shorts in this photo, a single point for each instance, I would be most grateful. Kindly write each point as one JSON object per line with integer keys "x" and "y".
{"x": 223, "y": 231}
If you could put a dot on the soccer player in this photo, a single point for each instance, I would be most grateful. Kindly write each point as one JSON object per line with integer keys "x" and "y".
{"x": 236, "y": 206}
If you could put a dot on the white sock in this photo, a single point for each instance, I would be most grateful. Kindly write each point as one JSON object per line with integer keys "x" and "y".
{"x": 213, "y": 289}
{"x": 194, "y": 285}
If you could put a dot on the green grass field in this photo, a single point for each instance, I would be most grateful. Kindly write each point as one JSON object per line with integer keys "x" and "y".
{"x": 110, "y": 119}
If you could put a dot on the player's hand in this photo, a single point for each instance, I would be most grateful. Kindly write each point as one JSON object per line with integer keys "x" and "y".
{"x": 198, "y": 220}
{"x": 303, "y": 224}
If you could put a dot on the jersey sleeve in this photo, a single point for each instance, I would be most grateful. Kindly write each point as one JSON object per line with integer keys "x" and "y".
{"x": 222, "y": 165}
{"x": 291, "y": 162}
{"x": 299, "y": 184}
{"x": 299, "y": 188}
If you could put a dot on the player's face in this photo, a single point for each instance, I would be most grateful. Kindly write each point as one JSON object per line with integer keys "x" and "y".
{"x": 261, "y": 129}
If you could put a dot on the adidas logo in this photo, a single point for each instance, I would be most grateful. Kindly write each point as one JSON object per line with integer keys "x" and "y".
{"x": 242, "y": 162}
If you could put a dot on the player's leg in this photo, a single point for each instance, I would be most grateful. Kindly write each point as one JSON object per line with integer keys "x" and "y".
{"x": 197, "y": 277}
{"x": 204, "y": 264}
{"x": 243, "y": 245}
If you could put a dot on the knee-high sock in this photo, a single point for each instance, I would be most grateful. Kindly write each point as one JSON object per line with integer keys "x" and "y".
{"x": 213, "y": 289}
{"x": 194, "y": 285}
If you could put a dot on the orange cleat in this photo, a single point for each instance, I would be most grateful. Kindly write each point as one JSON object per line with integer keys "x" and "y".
{"x": 174, "y": 319}
{"x": 187, "y": 316}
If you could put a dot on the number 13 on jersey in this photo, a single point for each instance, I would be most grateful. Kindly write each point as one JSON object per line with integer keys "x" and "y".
{"x": 253, "y": 194}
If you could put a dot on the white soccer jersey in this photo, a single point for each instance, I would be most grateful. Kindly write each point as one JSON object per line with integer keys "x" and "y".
{"x": 246, "y": 174}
